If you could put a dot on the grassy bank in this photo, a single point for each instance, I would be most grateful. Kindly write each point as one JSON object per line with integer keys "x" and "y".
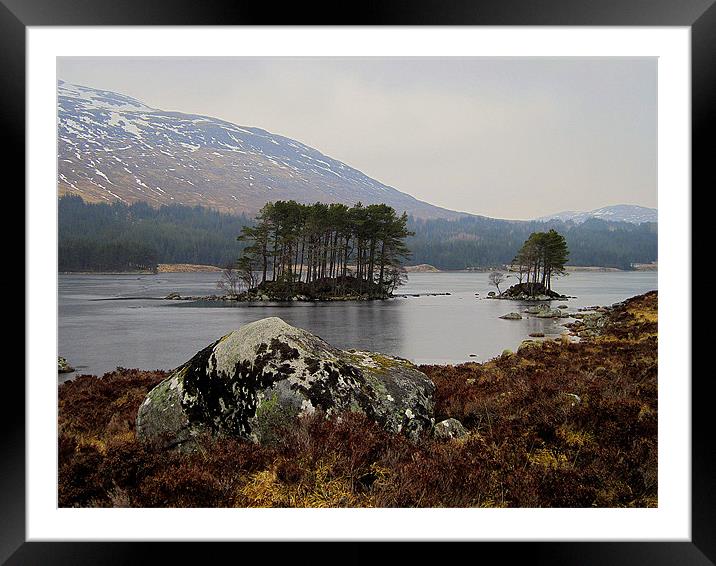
{"x": 556, "y": 424}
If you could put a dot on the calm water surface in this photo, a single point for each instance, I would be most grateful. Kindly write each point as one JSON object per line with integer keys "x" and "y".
{"x": 142, "y": 332}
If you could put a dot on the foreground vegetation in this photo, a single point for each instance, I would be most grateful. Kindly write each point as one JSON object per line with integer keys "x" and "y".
{"x": 556, "y": 424}
{"x": 121, "y": 237}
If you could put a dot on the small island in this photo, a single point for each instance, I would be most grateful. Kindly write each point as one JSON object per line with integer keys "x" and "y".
{"x": 541, "y": 257}
{"x": 318, "y": 252}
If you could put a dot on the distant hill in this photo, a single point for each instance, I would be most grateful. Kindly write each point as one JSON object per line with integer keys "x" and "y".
{"x": 479, "y": 242}
{"x": 616, "y": 213}
{"x": 120, "y": 237}
{"x": 113, "y": 148}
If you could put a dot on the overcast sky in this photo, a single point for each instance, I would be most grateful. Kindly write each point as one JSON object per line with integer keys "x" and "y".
{"x": 504, "y": 137}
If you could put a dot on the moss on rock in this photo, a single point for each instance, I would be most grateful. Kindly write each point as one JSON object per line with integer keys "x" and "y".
{"x": 255, "y": 381}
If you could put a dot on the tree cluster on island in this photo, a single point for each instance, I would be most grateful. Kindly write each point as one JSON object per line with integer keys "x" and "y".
{"x": 130, "y": 237}
{"x": 541, "y": 257}
{"x": 324, "y": 250}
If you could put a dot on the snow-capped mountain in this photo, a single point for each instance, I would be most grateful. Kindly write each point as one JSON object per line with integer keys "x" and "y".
{"x": 616, "y": 213}
{"x": 114, "y": 148}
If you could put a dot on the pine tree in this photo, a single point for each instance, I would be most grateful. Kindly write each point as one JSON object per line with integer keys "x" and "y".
{"x": 329, "y": 241}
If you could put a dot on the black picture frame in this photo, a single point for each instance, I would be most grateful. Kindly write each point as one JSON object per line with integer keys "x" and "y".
{"x": 699, "y": 15}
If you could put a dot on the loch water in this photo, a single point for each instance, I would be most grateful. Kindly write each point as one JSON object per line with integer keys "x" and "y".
{"x": 107, "y": 321}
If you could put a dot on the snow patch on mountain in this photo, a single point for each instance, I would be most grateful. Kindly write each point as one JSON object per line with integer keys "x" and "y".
{"x": 104, "y": 135}
{"x": 615, "y": 213}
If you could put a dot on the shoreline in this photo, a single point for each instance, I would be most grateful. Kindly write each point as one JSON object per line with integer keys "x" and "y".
{"x": 583, "y": 323}
{"x": 161, "y": 268}
{"x": 543, "y": 426}
{"x": 202, "y": 268}
{"x": 577, "y": 325}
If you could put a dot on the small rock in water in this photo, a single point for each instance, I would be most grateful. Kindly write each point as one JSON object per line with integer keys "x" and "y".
{"x": 63, "y": 366}
{"x": 537, "y": 309}
{"x": 512, "y": 316}
{"x": 548, "y": 313}
{"x": 537, "y": 334}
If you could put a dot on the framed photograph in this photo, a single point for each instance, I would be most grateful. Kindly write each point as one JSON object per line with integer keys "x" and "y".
{"x": 398, "y": 279}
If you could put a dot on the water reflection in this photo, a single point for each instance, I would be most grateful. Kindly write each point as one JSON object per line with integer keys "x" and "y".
{"x": 96, "y": 336}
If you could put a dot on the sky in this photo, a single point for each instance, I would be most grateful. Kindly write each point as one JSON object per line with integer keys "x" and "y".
{"x": 503, "y": 137}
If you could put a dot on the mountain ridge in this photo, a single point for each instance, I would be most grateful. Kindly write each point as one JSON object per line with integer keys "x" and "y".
{"x": 632, "y": 213}
{"x": 114, "y": 148}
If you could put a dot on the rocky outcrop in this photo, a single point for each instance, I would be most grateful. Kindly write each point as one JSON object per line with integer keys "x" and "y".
{"x": 543, "y": 311}
{"x": 346, "y": 288}
{"x": 588, "y": 324}
{"x": 512, "y": 316}
{"x": 530, "y": 292}
{"x": 63, "y": 365}
{"x": 529, "y": 344}
{"x": 551, "y": 313}
{"x": 256, "y": 380}
{"x": 449, "y": 429}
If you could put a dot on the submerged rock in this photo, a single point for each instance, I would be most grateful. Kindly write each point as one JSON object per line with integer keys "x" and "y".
{"x": 256, "y": 380}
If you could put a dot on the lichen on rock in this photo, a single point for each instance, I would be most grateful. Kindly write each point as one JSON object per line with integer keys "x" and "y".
{"x": 63, "y": 365}
{"x": 449, "y": 429}
{"x": 256, "y": 380}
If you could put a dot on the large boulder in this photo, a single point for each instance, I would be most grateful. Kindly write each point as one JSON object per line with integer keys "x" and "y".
{"x": 254, "y": 381}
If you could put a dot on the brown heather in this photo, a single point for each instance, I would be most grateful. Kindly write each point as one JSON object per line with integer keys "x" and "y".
{"x": 554, "y": 425}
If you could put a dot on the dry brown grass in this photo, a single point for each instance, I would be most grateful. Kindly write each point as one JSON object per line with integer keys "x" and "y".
{"x": 554, "y": 425}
